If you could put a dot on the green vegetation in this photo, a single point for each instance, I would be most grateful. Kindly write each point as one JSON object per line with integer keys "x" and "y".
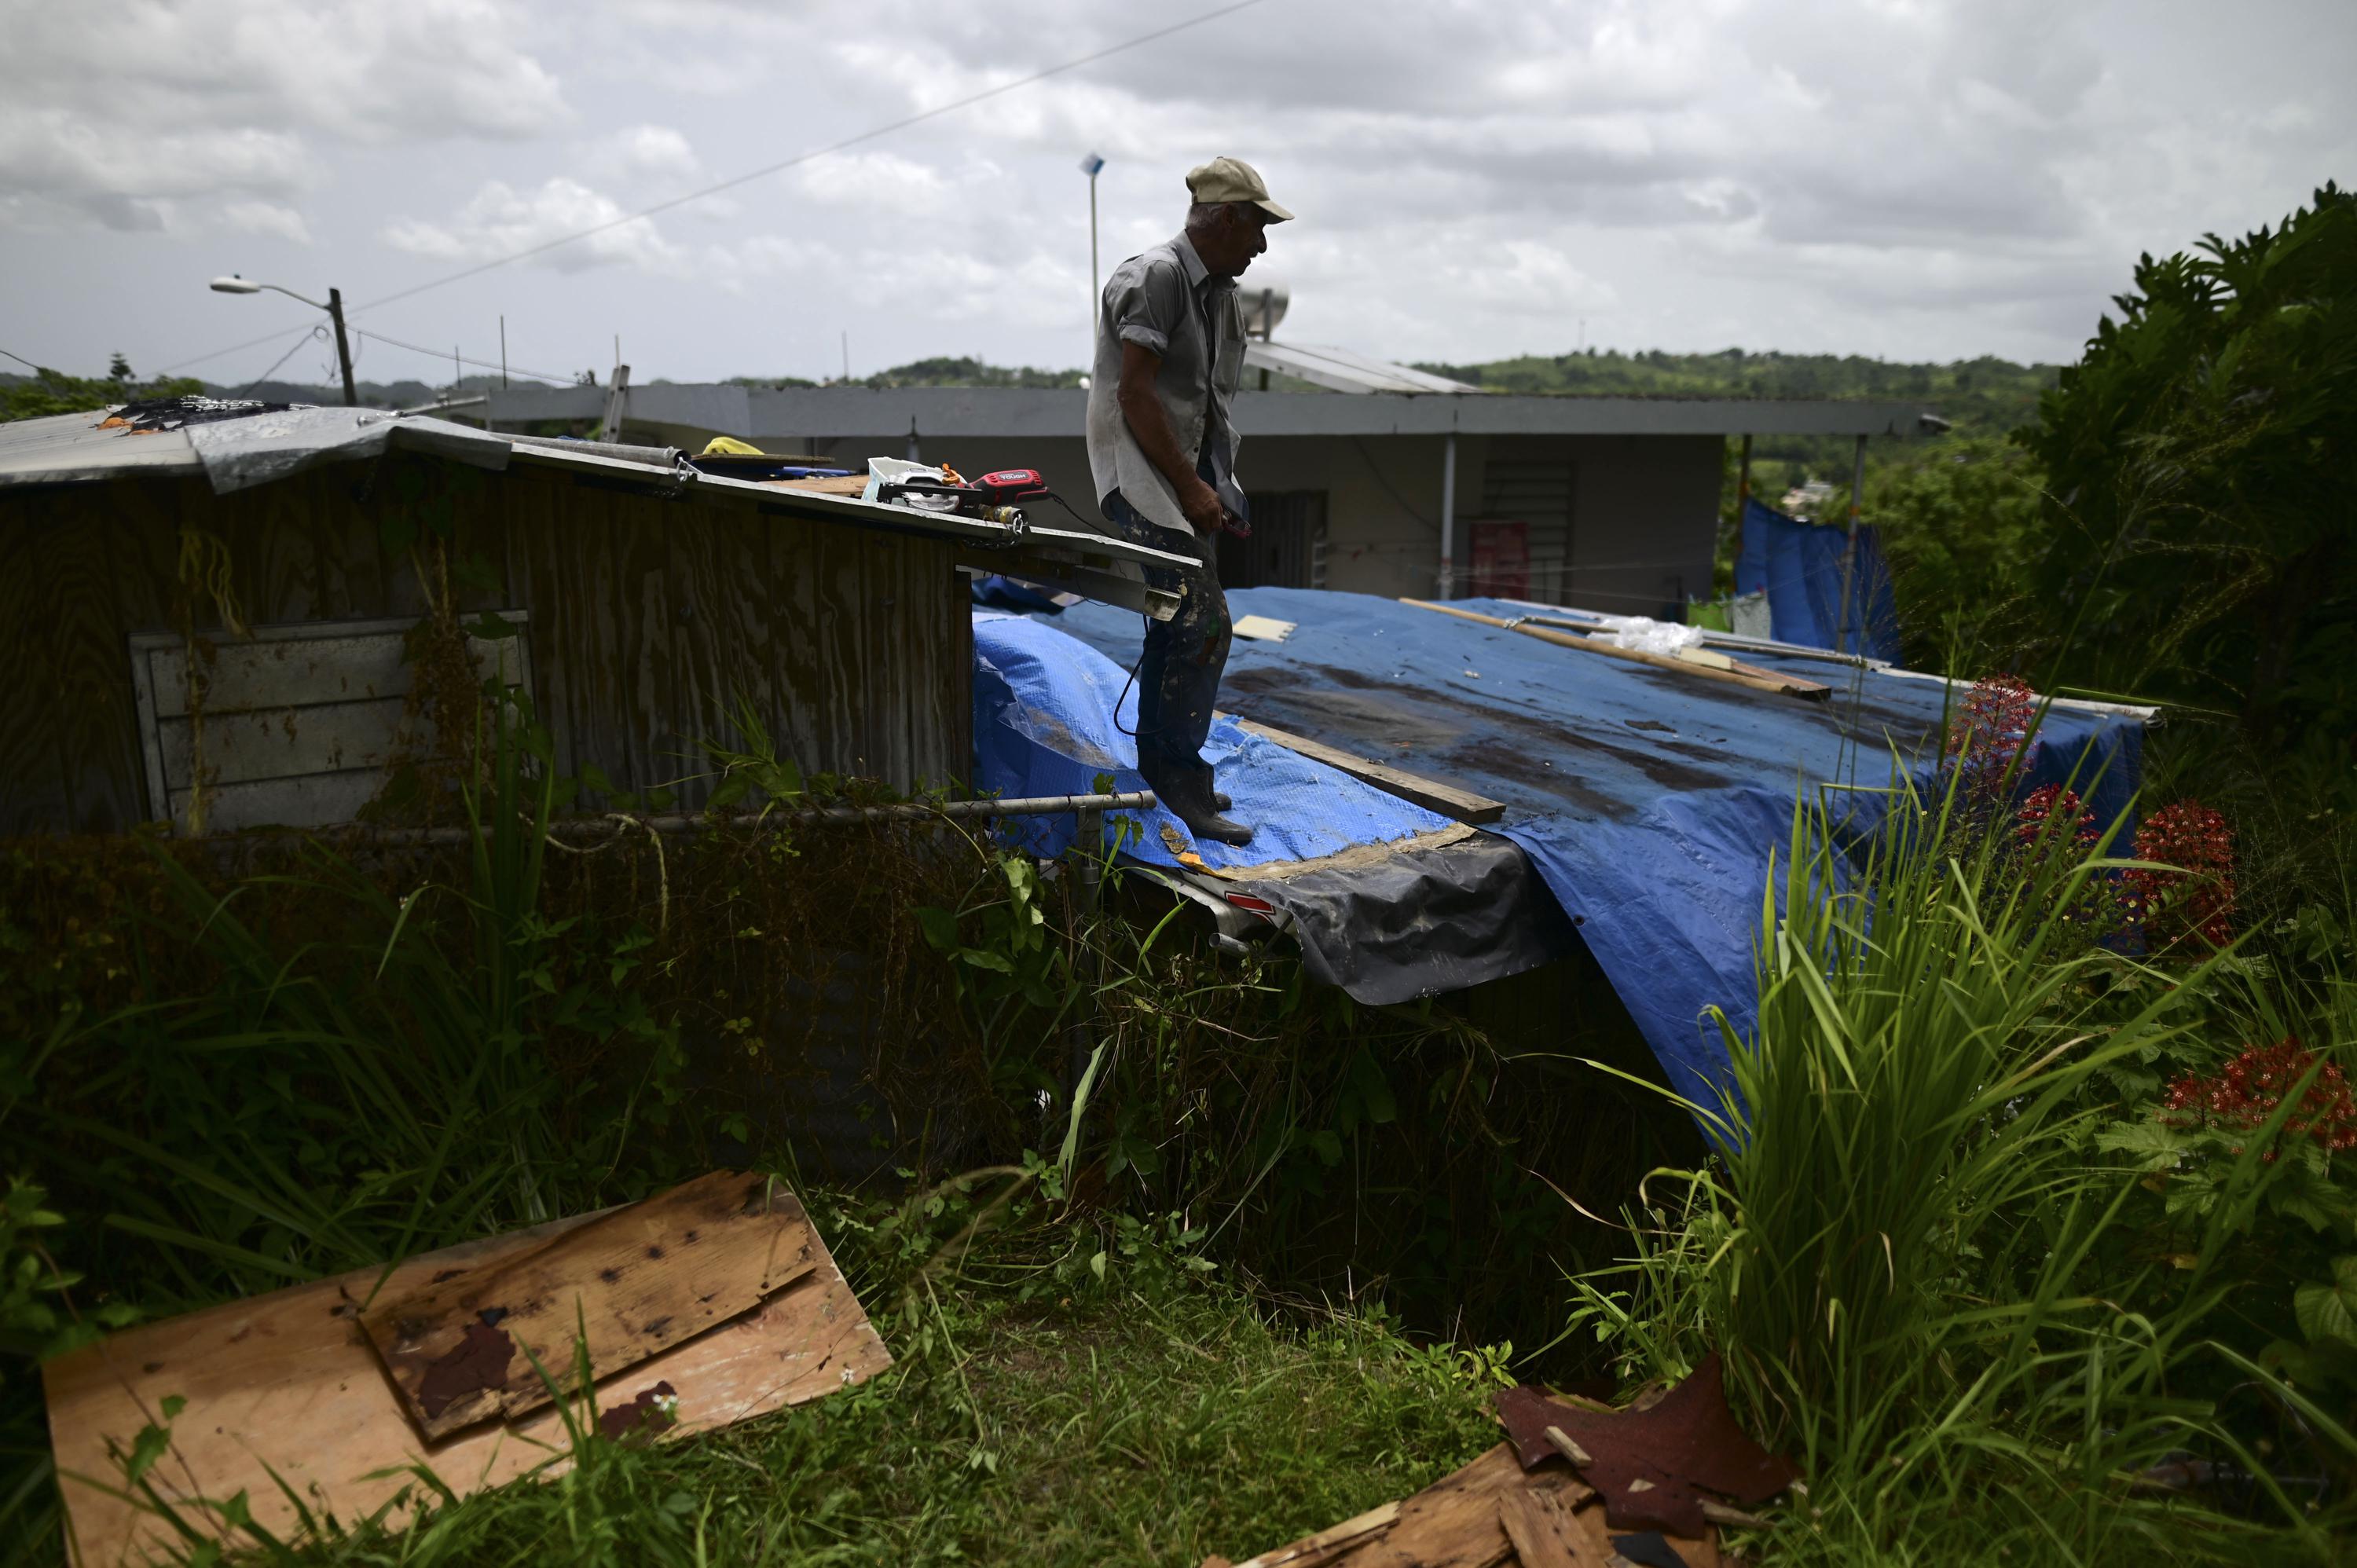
{"x": 48, "y": 391}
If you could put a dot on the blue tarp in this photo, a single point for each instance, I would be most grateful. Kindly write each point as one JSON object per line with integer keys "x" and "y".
{"x": 1044, "y": 723}
{"x": 1649, "y": 800}
{"x": 1801, "y": 565}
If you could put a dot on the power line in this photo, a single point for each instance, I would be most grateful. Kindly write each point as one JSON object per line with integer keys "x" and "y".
{"x": 769, "y": 169}
{"x": 310, "y": 334}
{"x": 463, "y": 359}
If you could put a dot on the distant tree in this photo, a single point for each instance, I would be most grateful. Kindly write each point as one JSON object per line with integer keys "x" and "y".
{"x": 2200, "y": 542}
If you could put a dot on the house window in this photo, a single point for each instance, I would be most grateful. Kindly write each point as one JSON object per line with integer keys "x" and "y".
{"x": 297, "y": 725}
{"x": 1287, "y": 547}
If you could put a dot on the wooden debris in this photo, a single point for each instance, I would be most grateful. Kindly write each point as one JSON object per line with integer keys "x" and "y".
{"x": 1568, "y": 1448}
{"x": 1545, "y": 1533}
{"x": 1328, "y": 1544}
{"x": 629, "y": 1284}
{"x": 287, "y": 1386}
{"x": 1738, "y": 674}
{"x": 1447, "y": 800}
{"x": 822, "y": 484}
{"x": 1490, "y": 1512}
{"x": 1263, "y": 629}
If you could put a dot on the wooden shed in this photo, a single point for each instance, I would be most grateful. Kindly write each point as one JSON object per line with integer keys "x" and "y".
{"x": 231, "y": 602}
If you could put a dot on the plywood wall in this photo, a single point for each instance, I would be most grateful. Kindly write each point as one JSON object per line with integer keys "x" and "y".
{"x": 647, "y": 616}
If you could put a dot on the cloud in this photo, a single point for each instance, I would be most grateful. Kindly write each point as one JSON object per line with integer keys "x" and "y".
{"x": 267, "y": 218}
{"x": 647, "y": 152}
{"x": 113, "y": 112}
{"x": 499, "y": 221}
{"x": 56, "y": 166}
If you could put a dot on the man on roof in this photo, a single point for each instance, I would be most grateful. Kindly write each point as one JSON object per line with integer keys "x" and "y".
{"x": 1162, "y": 449}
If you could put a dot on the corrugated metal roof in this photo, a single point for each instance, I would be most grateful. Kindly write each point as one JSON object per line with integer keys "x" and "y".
{"x": 68, "y": 448}
{"x": 1339, "y": 369}
{"x": 72, "y": 448}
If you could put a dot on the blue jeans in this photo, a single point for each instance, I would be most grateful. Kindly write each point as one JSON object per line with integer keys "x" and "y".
{"x": 1178, "y": 677}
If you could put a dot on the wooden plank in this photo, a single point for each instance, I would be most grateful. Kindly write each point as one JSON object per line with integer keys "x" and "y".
{"x": 829, "y": 558}
{"x": 838, "y": 485}
{"x": 722, "y": 635}
{"x": 1544, "y": 1533}
{"x": 886, "y": 663}
{"x": 1326, "y": 1545}
{"x": 285, "y": 1385}
{"x": 271, "y": 534}
{"x": 1749, "y": 676}
{"x": 1719, "y": 639}
{"x": 1453, "y": 1523}
{"x": 1433, "y": 795}
{"x": 640, "y": 655}
{"x": 638, "y": 1281}
{"x": 35, "y": 796}
{"x": 961, "y": 676}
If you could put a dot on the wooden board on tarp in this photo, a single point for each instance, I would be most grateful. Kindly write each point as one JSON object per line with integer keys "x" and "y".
{"x": 289, "y": 1383}
{"x": 1432, "y": 794}
{"x": 631, "y": 1282}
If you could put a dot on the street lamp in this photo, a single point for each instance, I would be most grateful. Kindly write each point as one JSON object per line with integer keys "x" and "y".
{"x": 1090, "y": 165}
{"x": 334, "y": 307}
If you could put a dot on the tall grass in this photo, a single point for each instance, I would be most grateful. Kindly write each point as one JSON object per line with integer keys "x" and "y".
{"x": 1914, "y": 1261}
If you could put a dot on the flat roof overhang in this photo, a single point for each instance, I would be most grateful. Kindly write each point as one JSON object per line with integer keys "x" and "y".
{"x": 1003, "y": 412}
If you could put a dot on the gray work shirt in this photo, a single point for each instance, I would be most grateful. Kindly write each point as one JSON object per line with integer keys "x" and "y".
{"x": 1167, "y": 301}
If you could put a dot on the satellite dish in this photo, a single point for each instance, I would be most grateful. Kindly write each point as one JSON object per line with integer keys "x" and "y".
{"x": 1264, "y": 301}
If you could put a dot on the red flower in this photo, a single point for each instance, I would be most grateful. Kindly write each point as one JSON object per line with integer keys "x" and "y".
{"x": 2197, "y": 899}
{"x": 2062, "y": 808}
{"x": 2249, "y": 1089}
{"x": 1991, "y": 726}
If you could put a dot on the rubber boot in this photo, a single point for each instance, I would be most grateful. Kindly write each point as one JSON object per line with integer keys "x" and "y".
{"x": 1198, "y": 806}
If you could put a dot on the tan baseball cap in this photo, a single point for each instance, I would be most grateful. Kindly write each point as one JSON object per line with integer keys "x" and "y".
{"x": 1232, "y": 179}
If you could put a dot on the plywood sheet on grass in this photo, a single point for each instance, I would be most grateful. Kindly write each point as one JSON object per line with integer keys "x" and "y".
{"x": 461, "y": 1347}
{"x": 287, "y": 1382}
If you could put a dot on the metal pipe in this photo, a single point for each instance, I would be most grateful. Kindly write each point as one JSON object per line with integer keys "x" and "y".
{"x": 1449, "y": 516}
{"x": 1088, "y": 889}
{"x": 689, "y": 822}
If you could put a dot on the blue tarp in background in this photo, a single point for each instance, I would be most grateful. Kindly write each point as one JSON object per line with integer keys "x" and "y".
{"x": 1648, "y": 800}
{"x": 1044, "y": 723}
{"x": 1800, "y": 564}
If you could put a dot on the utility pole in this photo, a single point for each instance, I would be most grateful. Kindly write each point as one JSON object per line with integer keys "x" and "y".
{"x": 343, "y": 346}
{"x": 503, "y": 354}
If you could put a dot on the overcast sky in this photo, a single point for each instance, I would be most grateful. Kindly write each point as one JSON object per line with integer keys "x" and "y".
{"x": 1906, "y": 178}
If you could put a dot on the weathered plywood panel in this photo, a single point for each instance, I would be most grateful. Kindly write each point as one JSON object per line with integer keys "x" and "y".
{"x": 241, "y": 748}
{"x": 307, "y": 665}
{"x": 461, "y": 1348}
{"x": 310, "y": 800}
{"x": 285, "y": 1388}
{"x": 724, "y": 585}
